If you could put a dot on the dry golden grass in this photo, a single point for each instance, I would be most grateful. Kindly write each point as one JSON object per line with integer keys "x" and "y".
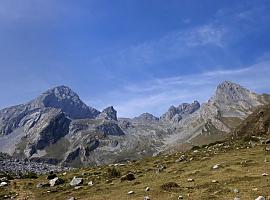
{"x": 240, "y": 169}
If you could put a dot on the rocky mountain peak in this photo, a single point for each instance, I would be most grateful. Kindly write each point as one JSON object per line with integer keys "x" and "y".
{"x": 108, "y": 113}
{"x": 177, "y": 113}
{"x": 68, "y": 101}
{"x": 146, "y": 117}
{"x": 230, "y": 88}
{"x": 228, "y": 92}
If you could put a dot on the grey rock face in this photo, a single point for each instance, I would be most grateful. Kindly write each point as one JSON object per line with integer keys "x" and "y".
{"x": 52, "y": 126}
{"x": 57, "y": 126}
{"x": 146, "y": 117}
{"x": 177, "y": 113}
{"x": 108, "y": 113}
{"x": 62, "y": 98}
{"x": 65, "y": 99}
{"x": 76, "y": 181}
{"x": 11, "y": 117}
{"x": 56, "y": 181}
{"x": 110, "y": 128}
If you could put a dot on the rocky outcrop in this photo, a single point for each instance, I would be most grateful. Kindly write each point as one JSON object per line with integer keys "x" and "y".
{"x": 110, "y": 128}
{"x": 65, "y": 99}
{"x": 52, "y": 125}
{"x": 108, "y": 114}
{"x": 175, "y": 114}
{"x": 145, "y": 117}
{"x": 257, "y": 124}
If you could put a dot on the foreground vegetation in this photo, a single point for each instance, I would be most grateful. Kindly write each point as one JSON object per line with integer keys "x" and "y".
{"x": 239, "y": 174}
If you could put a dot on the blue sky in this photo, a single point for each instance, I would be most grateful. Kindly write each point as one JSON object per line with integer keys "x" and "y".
{"x": 137, "y": 55}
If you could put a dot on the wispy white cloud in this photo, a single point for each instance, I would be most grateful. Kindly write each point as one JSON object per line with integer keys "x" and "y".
{"x": 157, "y": 95}
{"x": 172, "y": 45}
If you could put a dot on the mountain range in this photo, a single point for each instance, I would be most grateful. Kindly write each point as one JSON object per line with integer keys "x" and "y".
{"x": 59, "y": 128}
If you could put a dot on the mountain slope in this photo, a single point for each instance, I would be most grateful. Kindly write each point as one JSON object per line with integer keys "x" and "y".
{"x": 57, "y": 126}
{"x": 232, "y": 169}
{"x": 257, "y": 124}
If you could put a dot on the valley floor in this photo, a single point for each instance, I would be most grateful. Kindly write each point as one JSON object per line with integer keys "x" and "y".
{"x": 239, "y": 174}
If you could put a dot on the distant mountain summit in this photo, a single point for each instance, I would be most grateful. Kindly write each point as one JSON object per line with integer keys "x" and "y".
{"x": 229, "y": 93}
{"x": 108, "y": 113}
{"x": 62, "y": 97}
{"x": 146, "y": 117}
{"x": 175, "y": 114}
{"x": 58, "y": 127}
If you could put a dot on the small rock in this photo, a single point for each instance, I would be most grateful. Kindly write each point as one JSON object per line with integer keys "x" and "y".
{"x": 236, "y": 190}
{"x": 260, "y": 198}
{"x": 181, "y": 159}
{"x": 216, "y": 166}
{"x": 108, "y": 181}
{"x": 267, "y": 141}
{"x": 160, "y": 168}
{"x": 128, "y": 177}
{"x": 77, "y": 187}
{"x": 72, "y": 198}
{"x": 2, "y": 184}
{"x": 131, "y": 192}
{"x": 42, "y": 185}
{"x": 214, "y": 181}
{"x": 190, "y": 180}
{"x": 4, "y": 179}
{"x": 147, "y": 189}
{"x": 205, "y": 158}
{"x": 90, "y": 183}
{"x": 76, "y": 181}
{"x": 264, "y": 174}
{"x": 255, "y": 189}
{"x": 65, "y": 173}
{"x": 51, "y": 176}
{"x": 56, "y": 181}
{"x": 146, "y": 198}
{"x": 180, "y": 197}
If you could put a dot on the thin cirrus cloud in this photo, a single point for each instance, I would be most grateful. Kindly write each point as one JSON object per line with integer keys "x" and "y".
{"x": 228, "y": 27}
{"x": 223, "y": 32}
{"x": 170, "y": 46}
{"x": 157, "y": 95}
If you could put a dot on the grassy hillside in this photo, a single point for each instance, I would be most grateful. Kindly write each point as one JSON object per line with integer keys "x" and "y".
{"x": 241, "y": 168}
{"x": 242, "y": 160}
